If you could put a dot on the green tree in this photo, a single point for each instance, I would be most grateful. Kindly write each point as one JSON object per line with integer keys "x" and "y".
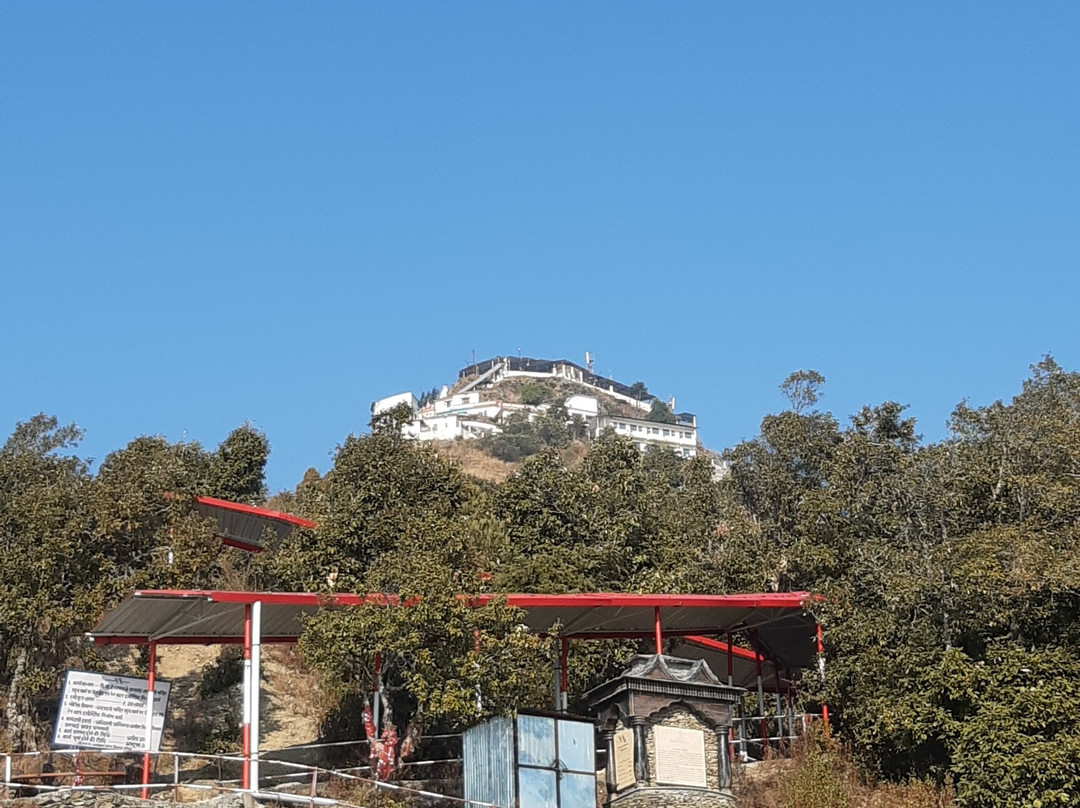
{"x": 238, "y": 467}
{"x": 396, "y": 519}
{"x": 660, "y": 413}
{"x": 803, "y": 389}
{"x": 534, "y": 393}
{"x": 381, "y": 489}
{"x": 48, "y": 568}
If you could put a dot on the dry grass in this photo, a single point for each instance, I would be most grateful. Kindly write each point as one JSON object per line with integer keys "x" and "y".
{"x": 822, "y": 774}
{"x": 294, "y": 700}
{"x": 474, "y": 461}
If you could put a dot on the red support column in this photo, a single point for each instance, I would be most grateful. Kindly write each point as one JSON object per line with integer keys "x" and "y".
{"x": 479, "y": 694}
{"x": 821, "y": 671}
{"x": 151, "y": 682}
{"x": 256, "y": 687}
{"x": 730, "y": 663}
{"x": 377, "y": 697}
{"x": 245, "y": 728}
{"x": 658, "y": 631}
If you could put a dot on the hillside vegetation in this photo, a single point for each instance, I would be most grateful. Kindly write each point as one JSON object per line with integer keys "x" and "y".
{"x": 951, "y": 570}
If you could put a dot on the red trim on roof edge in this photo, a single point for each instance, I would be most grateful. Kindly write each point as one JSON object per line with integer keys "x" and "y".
{"x": 240, "y": 545}
{"x": 251, "y": 510}
{"x": 133, "y": 639}
{"x": 719, "y": 645}
{"x": 775, "y": 600}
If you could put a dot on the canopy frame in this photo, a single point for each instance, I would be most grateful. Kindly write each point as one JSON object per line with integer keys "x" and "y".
{"x": 211, "y": 617}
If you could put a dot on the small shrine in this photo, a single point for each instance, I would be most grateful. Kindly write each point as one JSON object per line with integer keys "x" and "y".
{"x": 666, "y": 722}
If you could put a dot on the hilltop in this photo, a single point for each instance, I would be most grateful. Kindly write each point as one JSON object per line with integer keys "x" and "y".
{"x": 514, "y": 406}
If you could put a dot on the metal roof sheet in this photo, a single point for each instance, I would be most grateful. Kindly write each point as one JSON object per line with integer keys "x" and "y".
{"x": 245, "y": 526}
{"x": 781, "y": 623}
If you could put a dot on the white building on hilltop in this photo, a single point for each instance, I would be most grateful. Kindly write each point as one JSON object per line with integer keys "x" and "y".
{"x": 475, "y": 411}
{"x": 680, "y": 437}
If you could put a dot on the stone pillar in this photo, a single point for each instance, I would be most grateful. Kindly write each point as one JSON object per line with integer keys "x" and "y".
{"x": 723, "y": 758}
{"x": 609, "y": 771}
{"x": 641, "y": 750}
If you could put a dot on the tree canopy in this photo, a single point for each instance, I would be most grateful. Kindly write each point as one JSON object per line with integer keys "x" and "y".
{"x": 951, "y": 570}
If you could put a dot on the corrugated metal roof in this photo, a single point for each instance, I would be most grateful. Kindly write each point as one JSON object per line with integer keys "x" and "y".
{"x": 245, "y": 526}
{"x": 785, "y": 630}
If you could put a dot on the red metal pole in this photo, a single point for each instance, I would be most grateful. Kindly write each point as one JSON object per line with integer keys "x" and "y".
{"x": 479, "y": 693}
{"x": 378, "y": 694}
{"x": 731, "y": 683}
{"x": 730, "y": 663}
{"x": 564, "y": 646}
{"x": 245, "y": 729}
{"x": 763, "y": 727}
{"x": 821, "y": 669}
{"x": 658, "y": 631}
{"x": 151, "y": 682}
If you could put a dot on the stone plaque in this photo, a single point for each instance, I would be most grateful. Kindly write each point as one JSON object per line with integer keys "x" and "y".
{"x": 623, "y": 744}
{"x": 680, "y": 756}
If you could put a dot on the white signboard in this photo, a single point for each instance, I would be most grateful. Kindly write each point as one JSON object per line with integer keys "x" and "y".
{"x": 624, "y": 759}
{"x": 108, "y": 712}
{"x": 680, "y": 756}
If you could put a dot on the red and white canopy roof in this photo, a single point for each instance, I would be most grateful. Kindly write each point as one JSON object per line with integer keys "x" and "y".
{"x": 245, "y": 526}
{"x": 781, "y": 624}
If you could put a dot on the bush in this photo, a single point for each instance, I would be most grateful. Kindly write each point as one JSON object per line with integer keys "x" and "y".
{"x": 823, "y": 777}
{"x": 534, "y": 394}
{"x": 223, "y": 673}
{"x": 523, "y": 438}
{"x": 1018, "y": 724}
{"x": 822, "y": 774}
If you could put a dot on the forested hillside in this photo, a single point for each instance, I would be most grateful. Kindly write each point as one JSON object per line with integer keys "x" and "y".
{"x": 951, "y": 570}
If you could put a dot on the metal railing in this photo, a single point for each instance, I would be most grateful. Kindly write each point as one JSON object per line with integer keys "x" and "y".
{"x": 752, "y": 737}
{"x": 18, "y": 776}
{"x": 769, "y": 733}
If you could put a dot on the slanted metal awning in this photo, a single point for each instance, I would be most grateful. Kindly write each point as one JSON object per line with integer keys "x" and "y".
{"x": 781, "y": 625}
{"x": 743, "y": 663}
{"x": 245, "y": 526}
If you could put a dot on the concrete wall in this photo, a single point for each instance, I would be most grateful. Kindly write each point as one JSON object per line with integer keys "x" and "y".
{"x": 388, "y": 403}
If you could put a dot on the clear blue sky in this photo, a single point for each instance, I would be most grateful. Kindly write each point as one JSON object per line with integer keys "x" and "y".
{"x": 277, "y": 212}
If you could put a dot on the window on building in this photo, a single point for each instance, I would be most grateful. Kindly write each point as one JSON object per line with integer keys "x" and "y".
{"x": 667, "y": 433}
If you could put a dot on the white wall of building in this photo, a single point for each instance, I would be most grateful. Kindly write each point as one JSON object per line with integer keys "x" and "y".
{"x": 681, "y": 438}
{"x": 388, "y": 403}
{"x": 585, "y": 406}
